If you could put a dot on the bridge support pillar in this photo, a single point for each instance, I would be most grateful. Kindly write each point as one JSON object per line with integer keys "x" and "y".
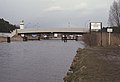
{"x": 39, "y": 37}
{"x": 25, "y": 38}
{"x": 8, "y": 39}
{"x": 64, "y": 38}
{"x": 76, "y": 38}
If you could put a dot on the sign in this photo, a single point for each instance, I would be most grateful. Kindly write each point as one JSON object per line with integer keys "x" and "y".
{"x": 109, "y": 30}
{"x": 95, "y": 25}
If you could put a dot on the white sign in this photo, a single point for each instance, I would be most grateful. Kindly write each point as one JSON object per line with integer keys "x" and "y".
{"x": 109, "y": 30}
{"x": 96, "y": 25}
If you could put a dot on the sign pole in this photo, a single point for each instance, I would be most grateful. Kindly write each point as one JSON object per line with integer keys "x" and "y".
{"x": 109, "y": 30}
{"x": 90, "y": 33}
{"x": 101, "y": 33}
{"x": 109, "y": 38}
{"x": 96, "y": 26}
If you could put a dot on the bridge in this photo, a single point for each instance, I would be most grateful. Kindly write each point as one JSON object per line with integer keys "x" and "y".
{"x": 47, "y": 33}
{"x": 53, "y": 30}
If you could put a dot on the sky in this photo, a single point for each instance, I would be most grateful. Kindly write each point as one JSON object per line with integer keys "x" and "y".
{"x": 55, "y": 13}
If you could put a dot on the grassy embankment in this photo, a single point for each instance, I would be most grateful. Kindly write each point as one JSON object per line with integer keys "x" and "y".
{"x": 3, "y": 39}
{"x": 96, "y": 64}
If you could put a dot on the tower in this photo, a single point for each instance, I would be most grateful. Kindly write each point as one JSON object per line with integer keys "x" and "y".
{"x": 22, "y": 24}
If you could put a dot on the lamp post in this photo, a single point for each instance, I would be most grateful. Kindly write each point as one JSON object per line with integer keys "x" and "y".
{"x": 87, "y": 24}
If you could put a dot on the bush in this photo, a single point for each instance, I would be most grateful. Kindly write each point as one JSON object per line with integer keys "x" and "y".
{"x": 91, "y": 39}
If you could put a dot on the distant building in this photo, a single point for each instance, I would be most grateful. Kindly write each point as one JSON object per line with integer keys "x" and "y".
{"x": 22, "y": 24}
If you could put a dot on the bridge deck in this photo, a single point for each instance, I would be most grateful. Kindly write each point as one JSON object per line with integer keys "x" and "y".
{"x": 53, "y": 30}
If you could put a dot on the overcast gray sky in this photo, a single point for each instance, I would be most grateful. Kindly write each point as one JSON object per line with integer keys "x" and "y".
{"x": 55, "y": 13}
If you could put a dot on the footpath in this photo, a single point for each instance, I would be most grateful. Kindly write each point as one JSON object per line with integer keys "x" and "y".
{"x": 98, "y": 64}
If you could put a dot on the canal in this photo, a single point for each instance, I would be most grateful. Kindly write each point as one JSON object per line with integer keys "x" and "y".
{"x": 36, "y": 61}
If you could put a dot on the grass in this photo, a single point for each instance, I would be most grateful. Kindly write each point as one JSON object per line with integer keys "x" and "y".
{"x": 98, "y": 64}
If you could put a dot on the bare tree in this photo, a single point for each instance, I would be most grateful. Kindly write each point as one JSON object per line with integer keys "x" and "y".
{"x": 114, "y": 14}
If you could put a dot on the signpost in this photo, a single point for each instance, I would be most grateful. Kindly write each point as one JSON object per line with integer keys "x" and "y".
{"x": 109, "y": 30}
{"x": 96, "y": 26}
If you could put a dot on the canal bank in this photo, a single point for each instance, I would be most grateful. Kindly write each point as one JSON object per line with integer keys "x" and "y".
{"x": 12, "y": 39}
{"x": 98, "y": 64}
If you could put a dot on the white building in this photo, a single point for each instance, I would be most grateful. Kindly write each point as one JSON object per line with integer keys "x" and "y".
{"x": 22, "y": 24}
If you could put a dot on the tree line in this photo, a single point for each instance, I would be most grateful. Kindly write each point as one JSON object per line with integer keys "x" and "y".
{"x": 6, "y": 27}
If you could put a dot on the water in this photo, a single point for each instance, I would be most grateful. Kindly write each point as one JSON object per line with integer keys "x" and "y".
{"x": 36, "y": 61}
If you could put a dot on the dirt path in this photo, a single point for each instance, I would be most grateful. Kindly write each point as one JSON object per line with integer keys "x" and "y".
{"x": 95, "y": 65}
